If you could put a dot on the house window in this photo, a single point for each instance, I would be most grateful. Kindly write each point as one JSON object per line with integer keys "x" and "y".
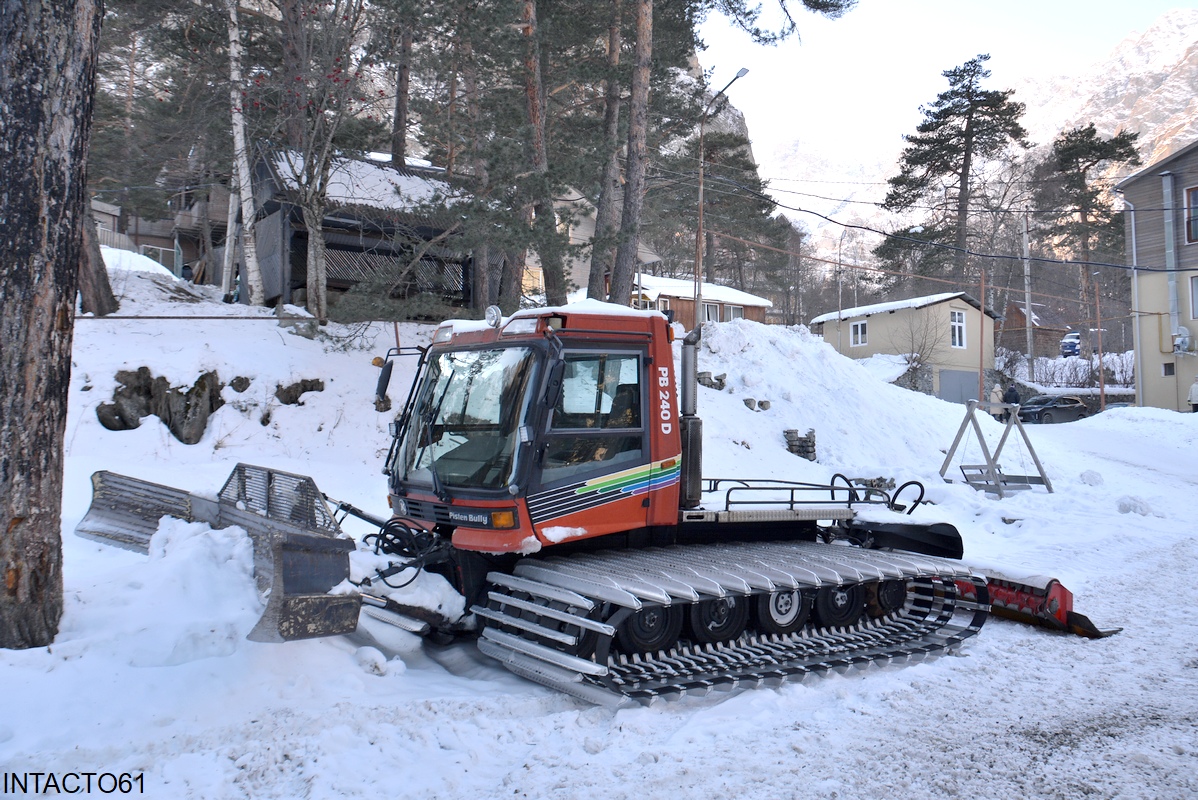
{"x": 1167, "y": 369}
{"x": 1192, "y": 215}
{"x": 956, "y": 322}
{"x": 734, "y": 312}
{"x": 711, "y": 312}
{"x": 857, "y": 335}
{"x": 663, "y": 304}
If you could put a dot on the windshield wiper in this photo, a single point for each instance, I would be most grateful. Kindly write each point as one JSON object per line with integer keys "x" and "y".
{"x": 438, "y": 488}
{"x": 428, "y": 423}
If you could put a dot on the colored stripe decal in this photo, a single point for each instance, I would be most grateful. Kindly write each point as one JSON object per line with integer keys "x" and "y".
{"x": 604, "y": 489}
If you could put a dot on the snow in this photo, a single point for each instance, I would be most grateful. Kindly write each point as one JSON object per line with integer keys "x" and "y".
{"x": 365, "y": 183}
{"x": 653, "y": 286}
{"x": 886, "y": 366}
{"x": 119, "y": 261}
{"x": 589, "y": 306}
{"x": 151, "y": 673}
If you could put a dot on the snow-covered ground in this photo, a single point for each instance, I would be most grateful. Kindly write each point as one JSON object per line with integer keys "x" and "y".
{"x": 151, "y": 675}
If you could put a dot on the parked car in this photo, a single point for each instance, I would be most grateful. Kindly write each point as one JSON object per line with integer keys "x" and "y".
{"x": 1053, "y": 408}
{"x": 1071, "y": 344}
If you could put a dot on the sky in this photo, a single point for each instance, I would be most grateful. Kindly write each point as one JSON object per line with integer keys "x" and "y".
{"x": 151, "y": 676}
{"x": 847, "y": 90}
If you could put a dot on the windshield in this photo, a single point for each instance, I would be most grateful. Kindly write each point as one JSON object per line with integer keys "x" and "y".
{"x": 465, "y": 424}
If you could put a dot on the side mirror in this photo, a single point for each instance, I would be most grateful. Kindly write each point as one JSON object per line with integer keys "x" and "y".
{"x": 384, "y": 381}
{"x": 553, "y": 387}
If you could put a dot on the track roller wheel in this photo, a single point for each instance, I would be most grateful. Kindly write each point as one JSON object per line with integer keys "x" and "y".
{"x": 719, "y": 619}
{"x": 651, "y": 629}
{"x": 839, "y": 606}
{"x": 882, "y": 598}
{"x": 782, "y": 612}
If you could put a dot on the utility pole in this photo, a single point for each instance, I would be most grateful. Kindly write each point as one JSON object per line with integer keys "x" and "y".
{"x": 982, "y": 338}
{"x": 1027, "y": 304}
{"x": 1101, "y": 376}
{"x": 839, "y": 296}
{"x": 699, "y": 232}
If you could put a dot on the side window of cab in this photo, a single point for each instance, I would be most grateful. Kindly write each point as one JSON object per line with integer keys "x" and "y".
{"x": 596, "y": 425}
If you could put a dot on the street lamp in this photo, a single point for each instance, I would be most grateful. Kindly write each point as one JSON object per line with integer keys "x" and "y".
{"x": 699, "y": 233}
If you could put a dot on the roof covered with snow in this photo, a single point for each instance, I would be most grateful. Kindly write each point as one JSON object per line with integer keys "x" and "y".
{"x": 653, "y": 287}
{"x": 895, "y": 305}
{"x": 369, "y": 183}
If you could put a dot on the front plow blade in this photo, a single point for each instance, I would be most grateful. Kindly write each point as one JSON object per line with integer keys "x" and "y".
{"x": 299, "y": 553}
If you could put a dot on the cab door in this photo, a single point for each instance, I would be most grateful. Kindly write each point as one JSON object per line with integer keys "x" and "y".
{"x": 592, "y": 467}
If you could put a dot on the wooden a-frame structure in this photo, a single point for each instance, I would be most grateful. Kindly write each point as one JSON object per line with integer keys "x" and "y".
{"x": 989, "y": 476}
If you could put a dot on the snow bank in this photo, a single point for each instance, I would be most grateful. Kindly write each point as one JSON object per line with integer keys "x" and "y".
{"x": 151, "y": 673}
{"x": 117, "y": 260}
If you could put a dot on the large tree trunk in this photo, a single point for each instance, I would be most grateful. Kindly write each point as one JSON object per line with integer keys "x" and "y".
{"x": 203, "y": 269}
{"x": 544, "y": 219}
{"x": 95, "y": 292}
{"x": 241, "y": 156}
{"x": 510, "y": 277}
{"x": 295, "y": 95}
{"x": 403, "y": 80}
{"x": 634, "y": 185}
{"x": 482, "y": 291}
{"x": 607, "y": 212}
{"x": 229, "y": 259}
{"x": 318, "y": 285}
{"x": 47, "y": 80}
{"x": 961, "y": 259}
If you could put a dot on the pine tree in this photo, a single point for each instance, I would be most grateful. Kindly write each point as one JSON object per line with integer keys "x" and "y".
{"x": 918, "y": 251}
{"x": 1071, "y": 183}
{"x": 1073, "y": 193}
{"x": 965, "y": 125}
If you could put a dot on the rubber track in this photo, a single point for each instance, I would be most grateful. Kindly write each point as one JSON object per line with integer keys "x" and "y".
{"x": 935, "y": 617}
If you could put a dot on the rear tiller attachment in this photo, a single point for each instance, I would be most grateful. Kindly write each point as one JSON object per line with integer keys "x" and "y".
{"x": 1037, "y": 600}
{"x": 300, "y": 552}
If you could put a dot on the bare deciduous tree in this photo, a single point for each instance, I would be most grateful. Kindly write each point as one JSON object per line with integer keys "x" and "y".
{"x": 241, "y": 158}
{"x": 920, "y": 339}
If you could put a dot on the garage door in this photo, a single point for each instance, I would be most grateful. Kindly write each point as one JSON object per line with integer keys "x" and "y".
{"x": 958, "y": 386}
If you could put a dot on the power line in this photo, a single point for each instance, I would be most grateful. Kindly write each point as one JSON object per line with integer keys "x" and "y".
{"x": 841, "y": 265}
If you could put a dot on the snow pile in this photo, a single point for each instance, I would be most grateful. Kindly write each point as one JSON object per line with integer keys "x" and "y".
{"x": 119, "y": 261}
{"x": 864, "y": 426}
{"x": 151, "y": 673}
{"x": 194, "y": 598}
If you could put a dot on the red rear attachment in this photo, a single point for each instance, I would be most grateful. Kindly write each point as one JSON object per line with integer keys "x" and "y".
{"x": 1037, "y": 600}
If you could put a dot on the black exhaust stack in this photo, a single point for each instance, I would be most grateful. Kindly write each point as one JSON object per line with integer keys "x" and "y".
{"x": 690, "y": 426}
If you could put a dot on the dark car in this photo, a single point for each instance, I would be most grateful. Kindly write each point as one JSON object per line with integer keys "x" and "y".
{"x": 1046, "y": 408}
{"x": 1071, "y": 344}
